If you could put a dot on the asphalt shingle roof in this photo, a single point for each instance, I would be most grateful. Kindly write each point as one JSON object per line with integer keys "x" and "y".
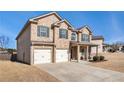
{"x": 97, "y": 37}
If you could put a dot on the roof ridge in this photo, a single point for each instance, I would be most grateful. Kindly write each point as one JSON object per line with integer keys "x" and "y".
{"x": 46, "y": 14}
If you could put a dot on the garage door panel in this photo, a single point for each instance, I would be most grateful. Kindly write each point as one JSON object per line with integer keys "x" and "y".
{"x": 61, "y": 55}
{"x": 42, "y": 56}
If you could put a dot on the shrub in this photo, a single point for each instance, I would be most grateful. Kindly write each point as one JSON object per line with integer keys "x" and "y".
{"x": 112, "y": 50}
{"x": 96, "y": 58}
{"x": 102, "y": 58}
{"x": 11, "y": 50}
{"x": 89, "y": 57}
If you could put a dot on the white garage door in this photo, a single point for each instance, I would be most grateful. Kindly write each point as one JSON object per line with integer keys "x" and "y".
{"x": 42, "y": 56}
{"x": 61, "y": 55}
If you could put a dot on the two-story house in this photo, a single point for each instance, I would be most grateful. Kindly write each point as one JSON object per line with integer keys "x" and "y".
{"x": 51, "y": 39}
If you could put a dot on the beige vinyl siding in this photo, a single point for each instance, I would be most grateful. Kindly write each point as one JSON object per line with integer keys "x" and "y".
{"x": 23, "y": 46}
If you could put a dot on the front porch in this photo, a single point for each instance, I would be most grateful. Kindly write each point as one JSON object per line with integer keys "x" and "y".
{"x": 82, "y": 51}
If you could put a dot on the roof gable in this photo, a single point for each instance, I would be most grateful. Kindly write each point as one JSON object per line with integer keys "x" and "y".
{"x": 87, "y": 27}
{"x": 97, "y": 38}
{"x": 34, "y": 19}
{"x": 65, "y": 21}
{"x": 45, "y": 15}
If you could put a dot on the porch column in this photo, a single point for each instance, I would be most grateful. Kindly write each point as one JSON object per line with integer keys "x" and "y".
{"x": 78, "y": 53}
{"x": 54, "y": 54}
{"x": 69, "y": 56}
{"x": 96, "y": 50}
{"x": 87, "y": 53}
{"x": 90, "y": 51}
{"x": 54, "y": 47}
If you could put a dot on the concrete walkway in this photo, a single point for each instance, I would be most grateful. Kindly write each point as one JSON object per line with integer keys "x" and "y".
{"x": 78, "y": 72}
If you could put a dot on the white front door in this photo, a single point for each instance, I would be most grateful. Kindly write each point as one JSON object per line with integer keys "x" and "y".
{"x": 61, "y": 55}
{"x": 42, "y": 56}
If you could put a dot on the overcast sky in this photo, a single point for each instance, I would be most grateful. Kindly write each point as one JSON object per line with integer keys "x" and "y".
{"x": 108, "y": 24}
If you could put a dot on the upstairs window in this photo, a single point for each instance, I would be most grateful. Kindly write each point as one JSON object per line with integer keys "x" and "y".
{"x": 43, "y": 31}
{"x": 74, "y": 36}
{"x": 63, "y": 33}
{"x": 85, "y": 37}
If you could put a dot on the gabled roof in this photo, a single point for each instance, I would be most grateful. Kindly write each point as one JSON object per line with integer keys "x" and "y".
{"x": 22, "y": 30}
{"x": 85, "y": 26}
{"x": 104, "y": 44}
{"x": 34, "y": 19}
{"x": 64, "y": 20}
{"x": 97, "y": 38}
{"x": 41, "y": 16}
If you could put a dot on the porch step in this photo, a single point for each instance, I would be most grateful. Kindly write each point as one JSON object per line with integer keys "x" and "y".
{"x": 81, "y": 61}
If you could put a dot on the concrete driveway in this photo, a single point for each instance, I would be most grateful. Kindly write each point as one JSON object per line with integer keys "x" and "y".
{"x": 78, "y": 72}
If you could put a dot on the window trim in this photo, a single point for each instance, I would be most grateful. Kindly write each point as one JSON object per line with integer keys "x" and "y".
{"x": 39, "y": 31}
{"x": 66, "y": 37}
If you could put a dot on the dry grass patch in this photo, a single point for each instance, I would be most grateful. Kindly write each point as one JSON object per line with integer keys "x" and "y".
{"x": 115, "y": 61}
{"x": 17, "y": 72}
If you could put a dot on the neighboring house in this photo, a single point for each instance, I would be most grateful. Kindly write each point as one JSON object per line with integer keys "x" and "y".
{"x": 107, "y": 47}
{"x": 50, "y": 39}
{"x": 113, "y": 47}
{"x": 99, "y": 40}
{"x": 122, "y": 49}
{"x": 3, "y": 51}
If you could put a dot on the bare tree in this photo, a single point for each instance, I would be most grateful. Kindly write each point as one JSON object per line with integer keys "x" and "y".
{"x": 4, "y": 40}
{"x": 117, "y": 45}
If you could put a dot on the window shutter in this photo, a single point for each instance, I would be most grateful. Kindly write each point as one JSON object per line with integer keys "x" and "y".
{"x": 66, "y": 34}
{"x": 38, "y": 31}
{"x": 47, "y": 32}
{"x": 88, "y": 38}
{"x": 60, "y": 33}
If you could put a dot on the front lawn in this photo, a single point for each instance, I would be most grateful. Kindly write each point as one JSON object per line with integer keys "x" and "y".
{"x": 114, "y": 61}
{"x": 12, "y": 71}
